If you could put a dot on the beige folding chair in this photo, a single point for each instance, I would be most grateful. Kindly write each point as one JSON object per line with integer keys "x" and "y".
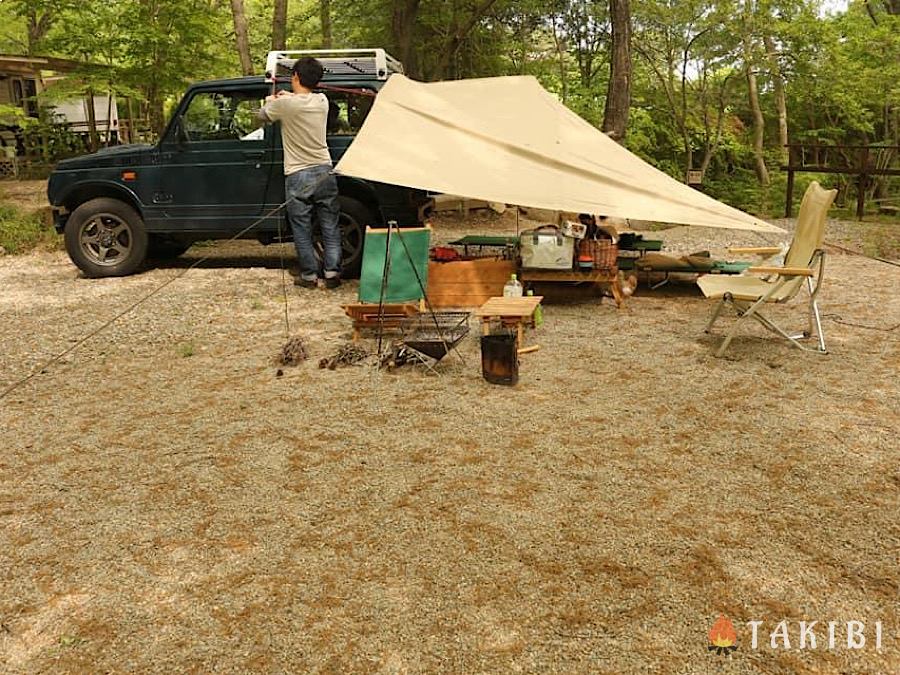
{"x": 805, "y": 260}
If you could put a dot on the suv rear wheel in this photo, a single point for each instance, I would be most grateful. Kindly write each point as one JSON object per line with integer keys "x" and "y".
{"x": 106, "y": 238}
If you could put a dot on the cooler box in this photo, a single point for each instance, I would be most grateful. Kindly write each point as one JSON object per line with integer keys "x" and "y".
{"x": 546, "y": 248}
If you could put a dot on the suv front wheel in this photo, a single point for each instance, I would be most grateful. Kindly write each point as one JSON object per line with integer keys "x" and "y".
{"x": 106, "y": 238}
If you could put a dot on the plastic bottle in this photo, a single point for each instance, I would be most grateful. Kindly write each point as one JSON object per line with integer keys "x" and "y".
{"x": 538, "y": 313}
{"x": 512, "y": 289}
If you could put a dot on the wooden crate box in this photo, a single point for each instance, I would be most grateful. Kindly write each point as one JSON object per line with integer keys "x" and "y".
{"x": 467, "y": 283}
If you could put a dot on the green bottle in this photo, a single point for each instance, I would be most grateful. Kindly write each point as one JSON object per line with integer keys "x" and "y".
{"x": 538, "y": 312}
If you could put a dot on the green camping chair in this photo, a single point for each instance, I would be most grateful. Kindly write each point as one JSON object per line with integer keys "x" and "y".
{"x": 804, "y": 261}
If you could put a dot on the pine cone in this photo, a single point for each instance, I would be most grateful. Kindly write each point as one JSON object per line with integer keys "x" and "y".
{"x": 293, "y": 352}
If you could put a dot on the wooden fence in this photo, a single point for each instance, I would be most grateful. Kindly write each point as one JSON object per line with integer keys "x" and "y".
{"x": 862, "y": 161}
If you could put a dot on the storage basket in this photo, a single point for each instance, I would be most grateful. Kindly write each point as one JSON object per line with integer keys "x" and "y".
{"x": 604, "y": 252}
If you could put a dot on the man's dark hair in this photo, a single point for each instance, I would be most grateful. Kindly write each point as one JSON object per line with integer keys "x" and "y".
{"x": 309, "y": 71}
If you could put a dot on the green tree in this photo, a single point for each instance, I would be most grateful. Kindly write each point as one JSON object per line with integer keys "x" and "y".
{"x": 690, "y": 50}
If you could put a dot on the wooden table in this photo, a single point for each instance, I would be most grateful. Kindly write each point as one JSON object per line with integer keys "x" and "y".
{"x": 511, "y": 312}
{"x": 607, "y": 276}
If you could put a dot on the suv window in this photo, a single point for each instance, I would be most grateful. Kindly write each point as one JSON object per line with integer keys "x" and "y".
{"x": 221, "y": 116}
{"x": 347, "y": 112}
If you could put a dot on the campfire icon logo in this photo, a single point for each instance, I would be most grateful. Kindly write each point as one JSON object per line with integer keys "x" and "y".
{"x": 722, "y": 636}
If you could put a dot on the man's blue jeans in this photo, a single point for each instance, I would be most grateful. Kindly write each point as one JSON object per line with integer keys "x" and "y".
{"x": 308, "y": 190}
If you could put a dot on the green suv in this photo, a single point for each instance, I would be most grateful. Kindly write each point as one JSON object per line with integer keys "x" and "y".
{"x": 217, "y": 170}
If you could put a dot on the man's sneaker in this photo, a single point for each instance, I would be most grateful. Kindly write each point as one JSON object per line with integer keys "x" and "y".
{"x": 332, "y": 282}
{"x": 305, "y": 283}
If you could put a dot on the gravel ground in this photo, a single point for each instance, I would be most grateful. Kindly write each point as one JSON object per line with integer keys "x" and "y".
{"x": 168, "y": 504}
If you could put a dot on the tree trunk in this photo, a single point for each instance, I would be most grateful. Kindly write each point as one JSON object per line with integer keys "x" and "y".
{"x": 780, "y": 100}
{"x": 155, "y": 115}
{"x": 561, "y": 62}
{"x": 712, "y": 145}
{"x": 762, "y": 173}
{"x": 93, "y": 136}
{"x": 242, "y": 36}
{"x": 708, "y": 153}
{"x": 618, "y": 96}
{"x": 688, "y": 157}
{"x": 325, "y": 20}
{"x": 38, "y": 27}
{"x": 895, "y": 115}
{"x": 403, "y": 24}
{"x": 279, "y": 24}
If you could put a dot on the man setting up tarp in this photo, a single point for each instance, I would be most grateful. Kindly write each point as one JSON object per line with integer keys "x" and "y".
{"x": 309, "y": 183}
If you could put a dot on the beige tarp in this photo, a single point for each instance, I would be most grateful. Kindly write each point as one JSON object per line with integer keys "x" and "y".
{"x": 506, "y": 139}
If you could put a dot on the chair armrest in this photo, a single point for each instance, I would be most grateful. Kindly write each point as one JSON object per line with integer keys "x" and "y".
{"x": 759, "y": 250}
{"x": 783, "y": 271}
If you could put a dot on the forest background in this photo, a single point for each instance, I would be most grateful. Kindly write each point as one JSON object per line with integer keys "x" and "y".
{"x": 689, "y": 85}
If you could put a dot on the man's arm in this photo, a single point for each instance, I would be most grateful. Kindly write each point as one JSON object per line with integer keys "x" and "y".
{"x": 271, "y": 111}
{"x": 265, "y": 113}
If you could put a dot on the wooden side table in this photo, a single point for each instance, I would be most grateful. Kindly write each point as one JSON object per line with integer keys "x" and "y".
{"x": 607, "y": 276}
{"x": 511, "y": 312}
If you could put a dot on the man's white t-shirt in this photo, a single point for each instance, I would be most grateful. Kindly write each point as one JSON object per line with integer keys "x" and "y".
{"x": 303, "y": 120}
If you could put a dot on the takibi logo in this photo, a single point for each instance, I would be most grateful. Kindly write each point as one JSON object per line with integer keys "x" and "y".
{"x": 832, "y": 635}
{"x": 722, "y": 636}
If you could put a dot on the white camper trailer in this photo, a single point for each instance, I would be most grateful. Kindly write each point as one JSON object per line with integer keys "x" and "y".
{"x": 76, "y": 114}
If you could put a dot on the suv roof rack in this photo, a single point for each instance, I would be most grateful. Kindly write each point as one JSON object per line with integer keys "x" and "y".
{"x": 375, "y": 63}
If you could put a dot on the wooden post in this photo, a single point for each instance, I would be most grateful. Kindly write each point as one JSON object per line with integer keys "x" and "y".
{"x": 131, "y": 138}
{"x": 109, "y": 96}
{"x": 861, "y": 197}
{"x": 93, "y": 136}
{"x": 789, "y": 193}
{"x": 861, "y": 185}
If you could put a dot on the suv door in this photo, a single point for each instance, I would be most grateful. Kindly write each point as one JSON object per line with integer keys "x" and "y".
{"x": 346, "y": 114}
{"x": 215, "y": 171}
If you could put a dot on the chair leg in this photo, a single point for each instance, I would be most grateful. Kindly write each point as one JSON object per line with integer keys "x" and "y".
{"x": 659, "y": 284}
{"x": 819, "y": 332}
{"x": 812, "y": 300}
{"x": 715, "y": 315}
{"x": 775, "y": 328}
{"x": 793, "y": 339}
{"x": 725, "y": 342}
{"x": 749, "y": 312}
